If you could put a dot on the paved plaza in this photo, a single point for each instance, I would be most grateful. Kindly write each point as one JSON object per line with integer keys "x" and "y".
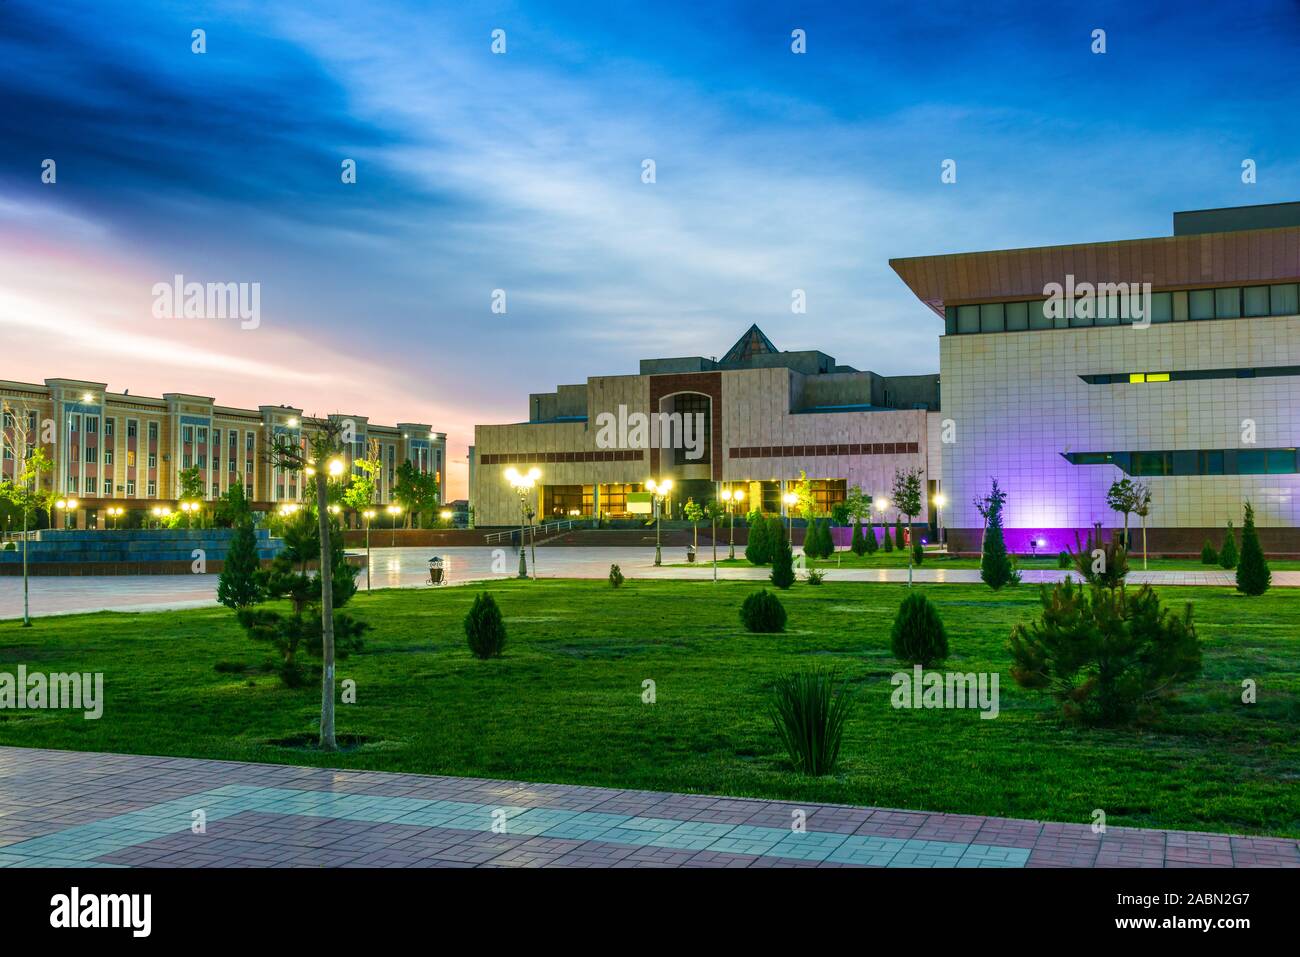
{"x": 408, "y": 568}
{"x": 71, "y": 809}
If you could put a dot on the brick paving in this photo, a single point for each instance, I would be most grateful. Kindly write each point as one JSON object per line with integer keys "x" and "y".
{"x": 63, "y": 808}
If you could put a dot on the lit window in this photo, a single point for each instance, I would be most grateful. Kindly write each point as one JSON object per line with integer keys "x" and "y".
{"x": 1157, "y": 376}
{"x": 1137, "y": 377}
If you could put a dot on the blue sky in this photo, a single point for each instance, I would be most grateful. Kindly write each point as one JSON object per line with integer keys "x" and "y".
{"x": 522, "y": 172}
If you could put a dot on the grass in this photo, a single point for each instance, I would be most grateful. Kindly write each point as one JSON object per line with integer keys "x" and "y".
{"x": 565, "y": 702}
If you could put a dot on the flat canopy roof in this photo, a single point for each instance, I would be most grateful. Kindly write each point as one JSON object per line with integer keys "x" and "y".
{"x": 1167, "y": 262}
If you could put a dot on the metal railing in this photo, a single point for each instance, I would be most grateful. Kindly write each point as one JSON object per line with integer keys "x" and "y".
{"x": 537, "y": 531}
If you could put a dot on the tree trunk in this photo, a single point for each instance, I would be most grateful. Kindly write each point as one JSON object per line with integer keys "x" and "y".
{"x": 327, "y": 742}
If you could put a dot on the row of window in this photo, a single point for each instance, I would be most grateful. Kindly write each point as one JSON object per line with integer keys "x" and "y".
{"x": 1228, "y": 302}
{"x": 1255, "y": 372}
{"x": 1194, "y": 462}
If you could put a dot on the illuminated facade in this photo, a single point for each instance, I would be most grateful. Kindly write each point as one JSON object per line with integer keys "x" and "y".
{"x": 1199, "y": 397}
{"x": 114, "y": 449}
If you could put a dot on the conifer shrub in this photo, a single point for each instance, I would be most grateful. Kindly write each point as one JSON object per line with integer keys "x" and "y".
{"x": 1104, "y": 653}
{"x": 782, "y": 561}
{"x": 917, "y": 636}
{"x": 485, "y": 629}
{"x": 1209, "y": 555}
{"x": 763, "y": 613}
{"x": 615, "y": 575}
{"x": 858, "y": 543}
{"x": 1253, "y": 575}
{"x": 1228, "y": 553}
{"x": 758, "y": 549}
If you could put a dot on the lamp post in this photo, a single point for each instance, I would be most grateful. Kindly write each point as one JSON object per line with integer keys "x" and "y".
{"x": 882, "y": 504}
{"x": 730, "y": 496}
{"x": 660, "y": 492}
{"x": 939, "y": 503}
{"x": 115, "y": 512}
{"x": 791, "y": 500}
{"x": 394, "y": 511}
{"x": 68, "y": 508}
{"x": 523, "y": 484}
{"x": 368, "y": 514}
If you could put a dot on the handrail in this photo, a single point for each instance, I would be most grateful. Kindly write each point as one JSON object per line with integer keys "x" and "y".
{"x": 560, "y": 525}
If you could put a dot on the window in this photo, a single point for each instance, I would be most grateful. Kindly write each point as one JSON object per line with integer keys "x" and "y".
{"x": 1017, "y": 316}
{"x": 108, "y": 456}
{"x": 968, "y": 319}
{"x": 153, "y": 460}
{"x": 1200, "y": 304}
{"x": 1255, "y": 299}
{"x": 248, "y": 491}
{"x": 92, "y": 453}
{"x": 1283, "y": 299}
{"x": 216, "y": 460}
{"x": 203, "y": 435}
{"x": 152, "y": 489}
{"x": 993, "y": 317}
{"x": 248, "y": 466}
{"x": 216, "y": 490}
{"x": 132, "y": 427}
{"x": 1227, "y": 303}
{"x": 1252, "y": 462}
{"x": 91, "y": 485}
{"x": 234, "y": 439}
{"x": 1038, "y": 317}
{"x": 92, "y": 424}
{"x": 233, "y": 464}
{"x": 1162, "y": 307}
{"x": 187, "y": 460}
{"x": 9, "y": 452}
{"x": 9, "y": 420}
{"x": 108, "y": 426}
{"x": 74, "y": 423}
{"x": 72, "y": 483}
{"x": 248, "y": 442}
{"x": 1281, "y": 461}
{"x": 1210, "y": 463}
{"x": 153, "y": 431}
{"x": 130, "y": 458}
{"x": 130, "y": 487}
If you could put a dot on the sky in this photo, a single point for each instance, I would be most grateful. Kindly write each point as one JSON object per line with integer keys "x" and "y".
{"x": 522, "y": 171}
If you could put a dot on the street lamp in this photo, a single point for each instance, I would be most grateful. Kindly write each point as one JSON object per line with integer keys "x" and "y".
{"x": 939, "y": 503}
{"x": 368, "y": 514}
{"x": 68, "y": 506}
{"x": 730, "y": 496}
{"x": 660, "y": 492}
{"x": 791, "y": 500}
{"x": 394, "y": 511}
{"x": 115, "y": 512}
{"x": 523, "y": 483}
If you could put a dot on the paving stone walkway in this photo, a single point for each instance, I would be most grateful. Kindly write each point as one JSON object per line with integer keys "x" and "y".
{"x": 71, "y": 809}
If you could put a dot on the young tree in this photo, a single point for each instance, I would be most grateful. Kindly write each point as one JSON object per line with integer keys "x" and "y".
{"x": 240, "y": 584}
{"x": 233, "y": 509}
{"x": 870, "y": 536}
{"x": 694, "y": 513}
{"x": 360, "y": 492}
{"x": 1122, "y": 497}
{"x": 886, "y": 535}
{"x": 1253, "y": 575}
{"x": 191, "y": 489}
{"x": 1142, "y": 508}
{"x": 320, "y": 457}
{"x": 996, "y": 569}
{"x": 416, "y": 492}
{"x": 907, "y": 499}
{"x": 858, "y": 543}
{"x": 26, "y": 493}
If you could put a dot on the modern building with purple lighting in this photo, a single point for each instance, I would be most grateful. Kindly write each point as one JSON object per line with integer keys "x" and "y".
{"x": 1189, "y": 381}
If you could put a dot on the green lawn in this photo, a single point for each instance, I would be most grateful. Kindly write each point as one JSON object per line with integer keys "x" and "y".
{"x": 564, "y": 704}
{"x": 934, "y": 559}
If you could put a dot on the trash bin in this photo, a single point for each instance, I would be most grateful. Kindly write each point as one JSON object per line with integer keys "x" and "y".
{"x": 435, "y": 571}
{"x": 690, "y": 553}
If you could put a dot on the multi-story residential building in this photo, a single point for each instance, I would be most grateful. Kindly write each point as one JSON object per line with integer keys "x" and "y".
{"x": 1196, "y": 392}
{"x": 114, "y": 449}
{"x": 752, "y": 420}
